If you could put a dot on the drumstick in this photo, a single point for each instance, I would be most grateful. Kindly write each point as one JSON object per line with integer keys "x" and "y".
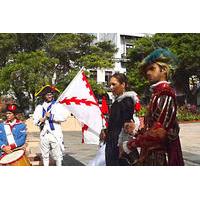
{"x": 23, "y": 147}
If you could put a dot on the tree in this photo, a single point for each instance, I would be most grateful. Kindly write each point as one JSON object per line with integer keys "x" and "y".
{"x": 142, "y": 47}
{"x": 7, "y": 46}
{"x": 76, "y": 50}
{"x": 27, "y": 42}
{"x": 25, "y": 74}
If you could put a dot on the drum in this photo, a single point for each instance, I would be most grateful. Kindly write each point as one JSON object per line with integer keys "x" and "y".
{"x": 16, "y": 158}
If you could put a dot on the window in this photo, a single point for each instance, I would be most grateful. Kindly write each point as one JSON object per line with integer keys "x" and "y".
{"x": 108, "y": 74}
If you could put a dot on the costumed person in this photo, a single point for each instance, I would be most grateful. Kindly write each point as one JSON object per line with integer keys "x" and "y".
{"x": 132, "y": 156}
{"x": 12, "y": 131}
{"x": 48, "y": 116}
{"x": 159, "y": 140}
{"x": 121, "y": 111}
{"x": 99, "y": 159}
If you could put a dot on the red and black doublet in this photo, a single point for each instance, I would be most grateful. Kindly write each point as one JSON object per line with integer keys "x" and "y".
{"x": 159, "y": 140}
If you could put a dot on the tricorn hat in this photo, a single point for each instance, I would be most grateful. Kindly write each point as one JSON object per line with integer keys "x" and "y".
{"x": 158, "y": 55}
{"x": 46, "y": 89}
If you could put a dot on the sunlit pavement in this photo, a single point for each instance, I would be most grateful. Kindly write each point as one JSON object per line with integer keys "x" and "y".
{"x": 78, "y": 154}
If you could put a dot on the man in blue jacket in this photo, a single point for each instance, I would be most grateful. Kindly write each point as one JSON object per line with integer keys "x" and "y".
{"x": 12, "y": 131}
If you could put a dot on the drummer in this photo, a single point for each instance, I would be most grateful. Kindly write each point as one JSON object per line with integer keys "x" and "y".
{"x": 12, "y": 131}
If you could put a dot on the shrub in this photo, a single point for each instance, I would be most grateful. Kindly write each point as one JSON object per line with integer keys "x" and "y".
{"x": 188, "y": 113}
{"x": 184, "y": 113}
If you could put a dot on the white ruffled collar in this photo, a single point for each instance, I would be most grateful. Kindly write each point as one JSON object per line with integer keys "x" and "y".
{"x": 131, "y": 94}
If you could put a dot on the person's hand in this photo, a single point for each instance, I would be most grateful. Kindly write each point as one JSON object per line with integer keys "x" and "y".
{"x": 129, "y": 127}
{"x": 102, "y": 135}
{"x": 7, "y": 149}
{"x": 42, "y": 120}
{"x": 47, "y": 114}
{"x": 121, "y": 151}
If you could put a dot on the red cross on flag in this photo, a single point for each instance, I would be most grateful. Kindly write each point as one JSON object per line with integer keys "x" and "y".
{"x": 79, "y": 99}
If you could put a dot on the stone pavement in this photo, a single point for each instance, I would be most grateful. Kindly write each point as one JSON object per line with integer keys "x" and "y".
{"x": 78, "y": 154}
{"x": 190, "y": 140}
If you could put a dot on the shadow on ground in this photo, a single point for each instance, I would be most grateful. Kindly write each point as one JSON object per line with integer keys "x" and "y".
{"x": 70, "y": 161}
{"x": 67, "y": 161}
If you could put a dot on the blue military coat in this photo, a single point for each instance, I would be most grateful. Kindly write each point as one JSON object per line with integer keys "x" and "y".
{"x": 19, "y": 134}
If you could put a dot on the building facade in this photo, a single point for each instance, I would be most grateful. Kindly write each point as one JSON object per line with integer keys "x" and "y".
{"x": 122, "y": 41}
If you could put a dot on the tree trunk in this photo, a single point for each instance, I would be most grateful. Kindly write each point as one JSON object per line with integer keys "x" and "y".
{"x": 182, "y": 85}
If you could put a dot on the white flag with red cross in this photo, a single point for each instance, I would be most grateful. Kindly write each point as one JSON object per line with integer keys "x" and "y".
{"x": 79, "y": 99}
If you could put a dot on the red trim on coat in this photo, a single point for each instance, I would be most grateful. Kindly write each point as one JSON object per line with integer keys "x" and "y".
{"x": 13, "y": 146}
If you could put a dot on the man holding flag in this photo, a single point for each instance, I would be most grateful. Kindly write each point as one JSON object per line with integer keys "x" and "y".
{"x": 48, "y": 117}
{"x": 78, "y": 99}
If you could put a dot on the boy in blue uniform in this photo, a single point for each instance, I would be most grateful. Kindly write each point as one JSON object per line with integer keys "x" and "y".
{"x": 12, "y": 131}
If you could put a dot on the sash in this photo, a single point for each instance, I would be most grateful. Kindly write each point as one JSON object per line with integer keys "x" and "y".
{"x": 9, "y": 135}
{"x": 50, "y": 118}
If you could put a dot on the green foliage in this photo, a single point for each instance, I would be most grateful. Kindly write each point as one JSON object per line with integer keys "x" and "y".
{"x": 142, "y": 47}
{"x": 183, "y": 114}
{"x": 97, "y": 88}
{"x": 98, "y": 61}
{"x": 64, "y": 82}
{"x": 31, "y": 41}
{"x": 143, "y": 111}
{"x": 79, "y": 50}
{"x": 27, "y": 73}
{"x": 7, "y": 46}
{"x": 136, "y": 81}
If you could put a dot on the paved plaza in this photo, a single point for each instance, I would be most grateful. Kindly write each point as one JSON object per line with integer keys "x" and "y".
{"x": 78, "y": 154}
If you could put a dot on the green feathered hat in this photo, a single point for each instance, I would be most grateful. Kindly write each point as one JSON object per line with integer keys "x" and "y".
{"x": 159, "y": 55}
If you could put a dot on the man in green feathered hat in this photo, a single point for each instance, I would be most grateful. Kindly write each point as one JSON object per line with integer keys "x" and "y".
{"x": 160, "y": 135}
{"x": 165, "y": 60}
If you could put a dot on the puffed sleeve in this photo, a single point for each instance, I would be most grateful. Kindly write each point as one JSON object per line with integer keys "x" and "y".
{"x": 37, "y": 114}
{"x": 163, "y": 110}
{"x": 127, "y": 109}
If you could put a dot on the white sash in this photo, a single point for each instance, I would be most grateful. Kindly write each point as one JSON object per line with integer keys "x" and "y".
{"x": 9, "y": 134}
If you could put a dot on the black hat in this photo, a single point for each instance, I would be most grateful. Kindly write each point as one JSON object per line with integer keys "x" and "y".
{"x": 46, "y": 89}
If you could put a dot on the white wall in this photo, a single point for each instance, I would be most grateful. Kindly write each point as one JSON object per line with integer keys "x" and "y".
{"x": 100, "y": 76}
